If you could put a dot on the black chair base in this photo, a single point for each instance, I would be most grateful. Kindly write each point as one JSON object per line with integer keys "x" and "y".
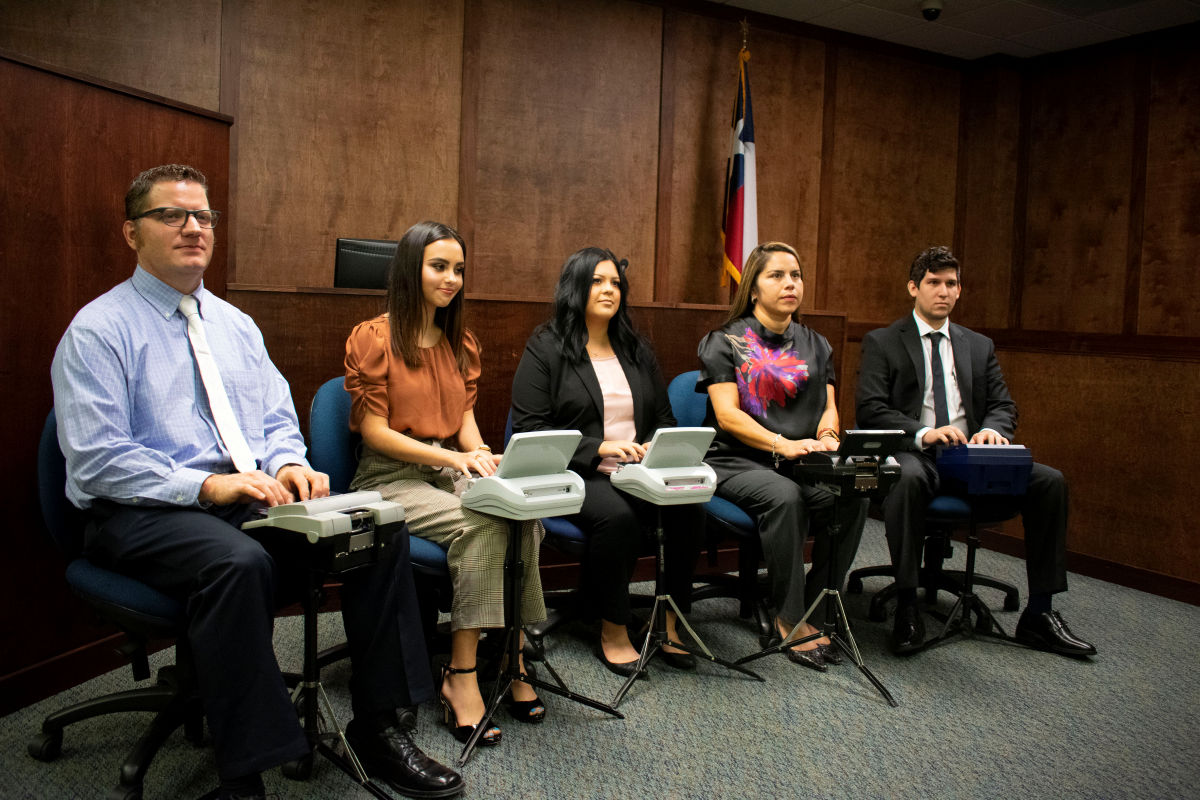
{"x": 173, "y": 697}
{"x": 932, "y": 579}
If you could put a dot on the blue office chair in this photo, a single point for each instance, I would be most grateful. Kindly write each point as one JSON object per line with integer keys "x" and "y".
{"x": 945, "y": 514}
{"x": 726, "y": 520}
{"x": 333, "y": 449}
{"x": 142, "y": 613}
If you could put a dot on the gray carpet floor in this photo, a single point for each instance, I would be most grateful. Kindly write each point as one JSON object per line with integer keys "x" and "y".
{"x": 977, "y": 718}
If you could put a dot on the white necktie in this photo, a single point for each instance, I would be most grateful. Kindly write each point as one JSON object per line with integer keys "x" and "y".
{"x": 222, "y": 413}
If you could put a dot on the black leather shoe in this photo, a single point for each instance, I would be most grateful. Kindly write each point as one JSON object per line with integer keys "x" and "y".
{"x": 831, "y": 654}
{"x": 684, "y": 661}
{"x": 908, "y": 632}
{"x": 1048, "y": 631}
{"x": 624, "y": 668}
{"x": 807, "y": 658}
{"x": 391, "y": 756}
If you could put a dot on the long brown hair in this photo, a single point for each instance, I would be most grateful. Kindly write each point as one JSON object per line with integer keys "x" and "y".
{"x": 753, "y": 267}
{"x": 406, "y": 301}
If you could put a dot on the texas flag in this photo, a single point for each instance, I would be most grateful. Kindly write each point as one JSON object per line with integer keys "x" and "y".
{"x": 739, "y": 218}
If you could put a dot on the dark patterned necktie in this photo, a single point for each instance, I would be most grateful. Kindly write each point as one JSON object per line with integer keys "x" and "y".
{"x": 941, "y": 414}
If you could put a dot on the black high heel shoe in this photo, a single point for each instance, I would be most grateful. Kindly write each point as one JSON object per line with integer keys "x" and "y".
{"x": 463, "y": 732}
{"x": 530, "y": 711}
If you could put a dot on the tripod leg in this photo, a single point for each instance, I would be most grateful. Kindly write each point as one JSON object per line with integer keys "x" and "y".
{"x": 707, "y": 654}
{"x": 649, "y": 648}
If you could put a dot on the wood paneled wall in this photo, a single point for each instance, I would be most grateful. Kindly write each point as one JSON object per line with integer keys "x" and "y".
{"x": 1068, "y": 184}
{"x": 61, "y": 208}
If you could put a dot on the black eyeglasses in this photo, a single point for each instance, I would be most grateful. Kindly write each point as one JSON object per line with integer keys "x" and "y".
{"x": 177, "y": 217}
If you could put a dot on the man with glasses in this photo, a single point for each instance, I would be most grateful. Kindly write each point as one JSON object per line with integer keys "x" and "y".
{"x": 176, "y": 426}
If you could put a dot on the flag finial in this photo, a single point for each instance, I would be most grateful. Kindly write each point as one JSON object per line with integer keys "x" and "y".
{"x": 745, "y": 34}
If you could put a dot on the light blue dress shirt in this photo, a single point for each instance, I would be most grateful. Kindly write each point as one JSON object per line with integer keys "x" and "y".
{"x": 133, "y": 417}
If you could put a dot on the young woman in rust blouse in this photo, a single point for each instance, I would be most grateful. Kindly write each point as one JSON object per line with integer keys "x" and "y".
{"x": 412, "y": 376}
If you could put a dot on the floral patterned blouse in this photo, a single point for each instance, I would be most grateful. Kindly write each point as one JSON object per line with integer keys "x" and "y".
{"x": 781, "y": 380}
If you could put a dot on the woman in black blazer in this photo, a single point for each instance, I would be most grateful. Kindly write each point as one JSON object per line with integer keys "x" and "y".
{"x": 587, "y": 369}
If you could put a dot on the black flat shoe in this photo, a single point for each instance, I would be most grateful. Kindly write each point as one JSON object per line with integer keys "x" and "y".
{"x": 831, "y": 654}
{"x": 683, "y": 661}
{"x": 807, "y": 658}
{"x": 462, "y": 733}
{"x": 530, "y": 711}
{"x": 624, "y": 669}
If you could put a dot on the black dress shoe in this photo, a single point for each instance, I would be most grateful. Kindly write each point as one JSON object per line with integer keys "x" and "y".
{"x": 684, "y": 661}
{"x": 391, "y": 756}
{"x": 813, "y": 659}
{"x": 1048, "y": 631}
{"x": 908, "y": 632}
{"x": 831, "y": 654}
{"x": 624, "y": 668}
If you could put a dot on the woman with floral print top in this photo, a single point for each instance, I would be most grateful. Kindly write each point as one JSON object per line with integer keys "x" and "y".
{"x": 770, "y": 382}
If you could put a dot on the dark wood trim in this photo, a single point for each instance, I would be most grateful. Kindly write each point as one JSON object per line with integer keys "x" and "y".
{"x": 1142, "y": 580}
{"x": 468, "y": 128}
{"x": 963, "y": 166}
{"x": 1137, "y": 192}
{"x": 114, "y": 87}
{"x": 1155, "y": 348}
{"x": 666, "y": 161}
{"x": 825, "y": 192}
{"x": 1016, "y": 275}
{"x": 228, "y": 99}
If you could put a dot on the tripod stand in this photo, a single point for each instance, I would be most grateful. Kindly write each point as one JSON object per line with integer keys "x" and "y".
{"x": 309, "y": 697}
{"x": 849, "y": 481}
{"x": 510, "y": 668}
{"x": 958, "y": 621}
{"x": 657, "y": 636}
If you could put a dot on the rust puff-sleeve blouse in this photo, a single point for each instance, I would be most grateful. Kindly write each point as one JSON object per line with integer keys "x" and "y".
{"x": 427, "y": 402}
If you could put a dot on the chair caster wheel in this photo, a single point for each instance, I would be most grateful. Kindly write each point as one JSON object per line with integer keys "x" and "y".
{"x": 126, "y": 793}
{"x": 854, "y": 586}
{"x": 298, "y": 770}
{"x": 534, "y": 649}
{"x": 1012, "y": 602}
{"x": 45, "y": 746}
{"x": 877, "y": 613}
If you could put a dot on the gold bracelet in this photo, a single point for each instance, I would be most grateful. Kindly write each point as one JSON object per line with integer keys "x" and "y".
{"x": 828, "y": 432}
{"x": 483, "y": 447}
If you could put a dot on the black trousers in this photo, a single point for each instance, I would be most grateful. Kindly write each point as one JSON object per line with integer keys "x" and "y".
{"x": 1043, "y": 510}
{"x": 616, "y": 525}
{"x": 230, "y": 586}
{"x": 784, "y": 512}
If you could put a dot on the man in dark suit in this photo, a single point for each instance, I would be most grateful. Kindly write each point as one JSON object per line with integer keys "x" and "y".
{"x": 941, "y": 384}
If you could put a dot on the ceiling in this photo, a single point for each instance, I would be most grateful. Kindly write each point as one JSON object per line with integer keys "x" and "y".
{"x": 976, "y": 28}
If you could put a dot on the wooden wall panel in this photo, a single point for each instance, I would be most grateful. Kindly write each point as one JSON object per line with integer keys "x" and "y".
{"x": 1128, "y": 504}
{"x": 65, "y": 164}
{"x": 347, "y": 124}
{"x": 566, "y": 133}
{"x": 124, "y": 42}
{"x": 1170, "y": 295}
{"x": 991, "y": 117}
{"x": 787, "y": 89}
{"x": 1077, "y": 228}
{"x": 894, "y": 169}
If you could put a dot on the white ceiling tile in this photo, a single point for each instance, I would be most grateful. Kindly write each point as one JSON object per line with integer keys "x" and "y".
{"x": 1005, "y": 19}
{"x": 1151, "y": 15}
{"x": 865, "y": 21}
{"x": 1067, "y": 36}
{"x": 960, "y": 44}
{"x": 801, "y": 10}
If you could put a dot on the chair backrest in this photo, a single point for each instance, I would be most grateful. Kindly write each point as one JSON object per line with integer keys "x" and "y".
{"x": 63, "y": 520}
{"x": 332, "y": 445}
{"x": 688, "y": 405}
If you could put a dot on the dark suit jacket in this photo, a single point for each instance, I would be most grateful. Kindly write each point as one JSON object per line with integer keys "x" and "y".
{"x": 891, "y": 380}
{"x": 550, "y": 393}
